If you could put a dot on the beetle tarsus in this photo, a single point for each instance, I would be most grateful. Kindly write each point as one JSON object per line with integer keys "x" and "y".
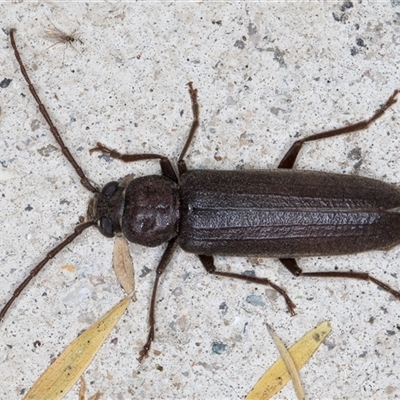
{"x": 123, "y": 157}
{"x": 363, "y": 276}
{"x": 291, "y": 265}
{"x": 208, "y": 264}
{"x": 144, "y": 353}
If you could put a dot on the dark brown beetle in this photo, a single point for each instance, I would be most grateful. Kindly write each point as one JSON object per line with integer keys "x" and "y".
{"x": 282, "y": 213}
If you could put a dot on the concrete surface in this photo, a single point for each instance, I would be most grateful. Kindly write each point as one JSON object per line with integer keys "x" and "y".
{"x": 266, "y": 72}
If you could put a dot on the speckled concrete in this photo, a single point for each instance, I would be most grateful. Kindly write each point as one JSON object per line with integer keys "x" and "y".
{"x": 265, "y": 73}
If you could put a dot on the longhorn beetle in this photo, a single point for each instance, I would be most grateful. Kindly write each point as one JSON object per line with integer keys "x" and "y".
{"x": 279, "y": 213}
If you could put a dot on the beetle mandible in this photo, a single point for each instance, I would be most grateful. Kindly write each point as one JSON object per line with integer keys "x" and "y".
{"x": 279, "y": 213}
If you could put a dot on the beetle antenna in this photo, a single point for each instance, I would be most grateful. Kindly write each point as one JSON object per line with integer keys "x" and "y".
{"x": 77, "y": 231}
{"x": 195, "y": 122}
{"x": 64, "y": 149}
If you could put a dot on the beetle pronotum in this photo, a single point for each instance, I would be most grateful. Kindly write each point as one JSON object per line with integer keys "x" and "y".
{"x": 280, "y": 213}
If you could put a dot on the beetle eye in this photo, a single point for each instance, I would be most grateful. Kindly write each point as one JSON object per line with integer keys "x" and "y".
{"x": 106, "y": 227}
{"x": 109, "y": 189}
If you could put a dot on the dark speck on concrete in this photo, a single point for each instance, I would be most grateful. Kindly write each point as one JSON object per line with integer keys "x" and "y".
{"x": 144, "y": 272}
{"x": 255, "y": 300}
{"x": 346, "y": 4}
{"x": 35, "y": 125}
{"x": 106, "y": 158}
{"x": 353, "y": 51}
{"x": 278, "y": 56}
{"x": 354, "y": 154}
{"x": 357, "y": 165}
{"x": 338, "y": 18}
{"x": 218, "y": 347}
{"x": 47, "y": 150}
{"x": 249, "y": 272}
{"x": 224, "y": 308}
{"x": 343, "y": 16}
{"x": 330, "y": 345}
{"x": 5, "y": 83}
{"x": 360, "y": 42}
{"x": 252, "y": 29}
{"x": 239, "y": 44}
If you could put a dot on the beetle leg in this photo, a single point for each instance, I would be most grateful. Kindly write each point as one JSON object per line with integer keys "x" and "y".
{"x": 123, "y": 157}
{"x": 290, "y": 157}
{"x": 168, "y": 170}
{"x": 208, "y": 263}
{"x": 291, "y": 265}
{"x": 162, "y": 265}
{"x": 165, "y": 164}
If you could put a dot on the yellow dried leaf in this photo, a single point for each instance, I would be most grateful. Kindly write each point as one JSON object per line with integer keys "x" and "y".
{"x": 290, "y": 366}
{"x": 58, "y": 379}
{"x": 278, "y": 376}
{"x": 123, "y": 264}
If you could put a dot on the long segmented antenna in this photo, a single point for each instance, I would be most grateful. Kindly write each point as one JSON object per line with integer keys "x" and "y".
{"x": 78, "y": 230}
{"x": 84, "y": 180}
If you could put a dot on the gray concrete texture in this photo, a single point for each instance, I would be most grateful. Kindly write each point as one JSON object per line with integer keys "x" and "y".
{"x": 266, "y": 72}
